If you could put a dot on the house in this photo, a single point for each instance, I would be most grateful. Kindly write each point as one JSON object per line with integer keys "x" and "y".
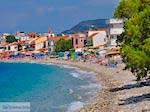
{"x": 21, "y": 36}
{"x": 2, "y": 48}
{"x": 11, "y": 47}
{"x": 115, "y": 29}
{"x": 32, "y": 35}
{"x": 41, "y": 42}
{"x": 2, "y": 40}
{"x": 97, "y": 38}
{"x": 78, "y": 40}
{"x": 31, "y": 44}
{"x": 51, "y": 33}
{"x": 23, "y": 45}
{"x": 52, "y": 40}
{"x": 4, "y": 35}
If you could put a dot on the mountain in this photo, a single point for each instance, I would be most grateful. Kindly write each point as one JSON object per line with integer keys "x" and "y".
{"x": 87, "y": 25}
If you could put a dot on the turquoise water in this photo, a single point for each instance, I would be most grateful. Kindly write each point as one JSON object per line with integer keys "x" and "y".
{"x": 49, "y": 88}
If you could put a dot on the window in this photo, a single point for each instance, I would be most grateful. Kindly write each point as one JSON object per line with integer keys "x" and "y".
{"x": 72, "y": 40}
{"x": 85, "y": 41}
{"x": 8, "y": 47}
{"x": 52, "y": 43}
{"x": 44, "y": 46}
{"x": 76, "y": 41}
{"x": 104, "y": 39}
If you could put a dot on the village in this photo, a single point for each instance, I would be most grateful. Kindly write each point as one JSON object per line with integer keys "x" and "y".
{"x": 93, "y": 43}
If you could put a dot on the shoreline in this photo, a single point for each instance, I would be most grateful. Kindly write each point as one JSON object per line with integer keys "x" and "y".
{"x": 111, "y": 78}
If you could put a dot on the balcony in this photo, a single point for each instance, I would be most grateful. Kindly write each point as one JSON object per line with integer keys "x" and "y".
{"x": 114, "y": 21}
{"x": 116, "y": 31}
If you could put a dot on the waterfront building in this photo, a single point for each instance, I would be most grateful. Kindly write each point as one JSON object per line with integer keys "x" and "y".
{"x": 115, "y": 29}
{"x": 97, "y": 38}
{"x": 52, "y": 40}
{"x": 78, "y": 40}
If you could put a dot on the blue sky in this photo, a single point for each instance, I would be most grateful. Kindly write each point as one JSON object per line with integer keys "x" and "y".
{"x": 59, "y": 15}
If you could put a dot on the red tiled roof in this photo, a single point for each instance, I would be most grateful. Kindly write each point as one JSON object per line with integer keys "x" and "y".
{"x": 22, "y": 42}
{"x": 103, "y": 29}
{"x": 74, "y": 35}
{"x": 92, "y": 35}
{"x": 6, "y": 44}
{"x": 100, "y": 29}
{"x": 64, "y": 37}
{"x": 58, "y": 37}
{"x": 53, "y": 38}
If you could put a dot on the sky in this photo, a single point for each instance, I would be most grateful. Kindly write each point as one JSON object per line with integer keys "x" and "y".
{"x": 57, "y": 15}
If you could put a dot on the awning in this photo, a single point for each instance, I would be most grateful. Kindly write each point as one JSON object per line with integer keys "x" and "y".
{"x": 78, "y": 50}
{"x": 91, "y": 50}
{"x": 112, "y": 52}
{"x": 29, "y": 53}
{"x": 96, "y": 47}
{"x": 43, "y": 50}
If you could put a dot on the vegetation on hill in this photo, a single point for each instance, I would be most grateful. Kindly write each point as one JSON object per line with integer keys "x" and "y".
{"x": 63, "y": 45}
{"x": 135, "y": 40}
{"x": 87, "y": 25}
{"x": 11, "y": 39}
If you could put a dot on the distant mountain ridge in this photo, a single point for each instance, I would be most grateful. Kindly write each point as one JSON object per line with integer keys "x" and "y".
{"x": 87, "y": 25}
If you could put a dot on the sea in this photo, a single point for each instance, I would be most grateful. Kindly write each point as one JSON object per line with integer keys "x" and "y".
{"x": 48, "y": 87}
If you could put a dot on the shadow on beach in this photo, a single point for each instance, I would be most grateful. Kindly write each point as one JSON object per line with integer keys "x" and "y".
{"x": 133, "y": 99}
{"x": 136, "y": 99}
{"x": 130, "y": 86}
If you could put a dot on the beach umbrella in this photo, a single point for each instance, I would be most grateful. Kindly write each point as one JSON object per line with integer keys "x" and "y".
{"x": 29, "y": 53}
{"x": 86, "y": 53}
{"x": 91, "y": 50}
{"x": 61, "y": 54}
{"x": 38, "y": 54}
{"x": 36, "y": 51}
{"x": 78, "y": 50}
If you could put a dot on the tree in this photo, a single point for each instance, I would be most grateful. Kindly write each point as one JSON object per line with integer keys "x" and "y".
{"x": 63, "y": 45}
{"x": 127, "y": 8}
{"x": 11, "y": 39}
{"x": 135, "y": 40}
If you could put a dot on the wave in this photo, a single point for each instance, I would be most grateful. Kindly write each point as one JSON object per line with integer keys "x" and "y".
{"x": 68, "y": 66}
{"x": 75, "y": 106}
{"x": 86, "y": 72}
{"x": 49, "y": 64}
{"x": 71, "y": 91}
{"x": 84, "y": 75}
{"x": 76, "y": 75}
{"x": 91, "y": 86}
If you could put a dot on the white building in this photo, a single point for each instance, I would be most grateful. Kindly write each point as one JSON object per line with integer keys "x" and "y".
{"x": 12, "y": 47}
{"x": 99, "y": 37}
{"x": 40, "y": 43}
{"x": 115, "y": 29}
{"x": 21, "y": 36}
{"x": 50, "y": 33}
{"x": 4, "y": 35}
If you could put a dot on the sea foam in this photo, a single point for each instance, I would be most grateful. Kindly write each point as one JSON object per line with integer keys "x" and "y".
{"x": 75, "y": 74}
{"x": 91, "y": 86}
{"x": 75, "y": 106}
